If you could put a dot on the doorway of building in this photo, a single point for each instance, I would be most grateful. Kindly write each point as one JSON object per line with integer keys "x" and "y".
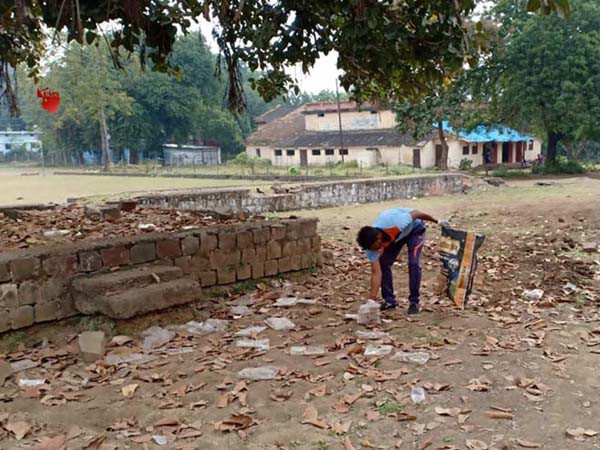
{"x": 303, "y": 158}
{"x": 506, "y": 152}
{"x": 439, "y": 150}
{"x": 417, "y": 158}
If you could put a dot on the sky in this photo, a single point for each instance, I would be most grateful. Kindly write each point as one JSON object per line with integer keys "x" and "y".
{"x": 321, "y": 77}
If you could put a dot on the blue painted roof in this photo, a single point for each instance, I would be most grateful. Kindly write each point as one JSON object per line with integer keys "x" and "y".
{"x": 483, "y": 133}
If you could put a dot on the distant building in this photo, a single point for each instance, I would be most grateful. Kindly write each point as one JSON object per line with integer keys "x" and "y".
{"x": 191, "y": 155}
{"x": 19, "y": 141}
{"x": 309, "y": 135}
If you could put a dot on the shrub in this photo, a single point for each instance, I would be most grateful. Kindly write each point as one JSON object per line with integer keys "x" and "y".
{"x": 504, "y": 172}
{"x": 465, "y": 164}
{"x": 352, "y": 164}
{"x": 294, "y": 171}
{"x": 561, "y": 166}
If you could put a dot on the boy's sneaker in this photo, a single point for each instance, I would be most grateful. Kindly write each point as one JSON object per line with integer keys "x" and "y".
{"x": 413, "y": 308}
{"x": 385, "y": 306}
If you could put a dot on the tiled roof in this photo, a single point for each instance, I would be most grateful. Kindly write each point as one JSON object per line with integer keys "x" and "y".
{"x": 359, "y": 138}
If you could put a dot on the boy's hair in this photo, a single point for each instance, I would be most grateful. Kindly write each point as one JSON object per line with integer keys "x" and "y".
{"x": 367, "y": 237}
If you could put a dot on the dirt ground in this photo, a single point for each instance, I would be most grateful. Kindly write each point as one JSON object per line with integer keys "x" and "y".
{"x": 506, "y": 373}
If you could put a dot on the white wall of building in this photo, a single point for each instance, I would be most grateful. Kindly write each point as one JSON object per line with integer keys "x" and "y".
{"x": 13, "y": 140}
{"x": 351, "y": 120}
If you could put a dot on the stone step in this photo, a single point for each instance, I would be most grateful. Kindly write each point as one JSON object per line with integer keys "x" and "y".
{"x": 106, "y": 283}
{"x": 140, "y": 300}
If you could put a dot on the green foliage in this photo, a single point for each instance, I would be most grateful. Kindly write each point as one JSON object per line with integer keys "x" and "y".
{"x": 144, "y": 110}
{"x": 387, "y": 49}
{"x": 561, "y": 166}
{"x": 465, "y": 164}
{"x": 352, "y": 164}
{"x": 390, "y": 407}
{"x": 543, "y": 73}
{"x": 504, "y": 172}
{"x": 294, "y": 171}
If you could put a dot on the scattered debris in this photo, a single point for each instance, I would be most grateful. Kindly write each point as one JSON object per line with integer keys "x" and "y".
{"x": 26, "y": 382}
{"x": 533, "y": 294}
{"x": 92, "y": 345}
{"x": 251, "y": 331}
{"x": 308, "y": 350}
{"x": 369, "y": 313}
{"x": 411, "y": 357}
{"x": 280, "y": 323}
{"x": 259, "y": 344}
{"x": 207, "y": 327}
{"x": 240, "y": 311}
{"x": 285, "y": 302}
{"x": 372, "y": 335}
{"x": 378, "y": 350}
{"x": 417, "y": 395}
{"x": 155, "y": 337}
{"x": 258, "y": 373}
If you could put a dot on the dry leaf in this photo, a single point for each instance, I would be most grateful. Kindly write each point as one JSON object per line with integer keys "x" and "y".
{"x": 129, "y": 390}
{"x": 348, "y": 445}
{"x": 55, "y": 443}
{"x": 424, "y": 445}
{"x": 311, "y": 417}
{"x": 499, "y": 415}
{"x": 235, "y": 423}
{"x": 168, "y": 422}
{"x": 19, "y": 429}
{"x": 452, "y": 412}
{"x": 341, "y": 427}
{"x": 453, "y": 362}
{"x": 579, "y": 434}
{"x": 223, "y": 400}
{"x": 527, "y": 444}
{"x": 476, "y": 445}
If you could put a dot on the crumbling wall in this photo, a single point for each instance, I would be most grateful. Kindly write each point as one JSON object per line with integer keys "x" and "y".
{"x": 310, "y": 196}
{"x": 36, "y": 284}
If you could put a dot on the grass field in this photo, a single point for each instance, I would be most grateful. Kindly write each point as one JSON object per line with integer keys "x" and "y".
{"x": 17, "y": 188}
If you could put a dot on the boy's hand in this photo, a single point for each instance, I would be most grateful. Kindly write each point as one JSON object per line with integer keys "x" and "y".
{"x": 444, "y": 223}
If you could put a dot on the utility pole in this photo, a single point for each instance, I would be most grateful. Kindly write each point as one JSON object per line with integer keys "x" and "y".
{"x": 337, "y": 94}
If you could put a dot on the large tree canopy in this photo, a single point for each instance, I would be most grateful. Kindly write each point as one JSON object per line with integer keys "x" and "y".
{"x": 387, "y": 48}
{"x": 545, "y": 72}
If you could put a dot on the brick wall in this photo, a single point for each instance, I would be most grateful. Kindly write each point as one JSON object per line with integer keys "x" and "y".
{"x": 35, "y": 284}
{"x": 312, "y": 196}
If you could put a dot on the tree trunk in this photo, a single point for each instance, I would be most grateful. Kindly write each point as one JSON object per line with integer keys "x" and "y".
{"x": 133, "y": 156}
{"x": 442, "y": 164}
{"x": 104, "y": 139}
{"x": 553, "y": 139}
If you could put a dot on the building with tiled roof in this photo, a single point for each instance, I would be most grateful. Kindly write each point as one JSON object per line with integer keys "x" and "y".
{"x": 309, "y": 135}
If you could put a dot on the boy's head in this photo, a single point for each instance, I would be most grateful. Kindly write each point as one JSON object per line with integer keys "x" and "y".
{"x": 369, "y": 238}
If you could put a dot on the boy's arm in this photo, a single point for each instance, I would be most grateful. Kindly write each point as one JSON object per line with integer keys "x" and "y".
{"x": 421, "y": 215}
{"x": 375, "y": 280}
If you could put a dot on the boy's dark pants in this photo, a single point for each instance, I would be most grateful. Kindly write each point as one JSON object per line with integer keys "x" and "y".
{"x": 414, "y": 242}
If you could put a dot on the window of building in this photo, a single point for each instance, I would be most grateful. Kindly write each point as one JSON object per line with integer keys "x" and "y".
{"x": 278, "y": 152}
{"x": 329, "y": 152}
{"x": 316, "y": 152}
{"x": 258, "y": 153}
{"x": 321, "y": 114}
{"x": 474, "y": 149}
{"x": 8, "y": 146}
{"x": 466, "y": 150}
{"x": 530, "y": 145}
{"x": 290, "y": 152}
{"x": 343, "y": 151}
